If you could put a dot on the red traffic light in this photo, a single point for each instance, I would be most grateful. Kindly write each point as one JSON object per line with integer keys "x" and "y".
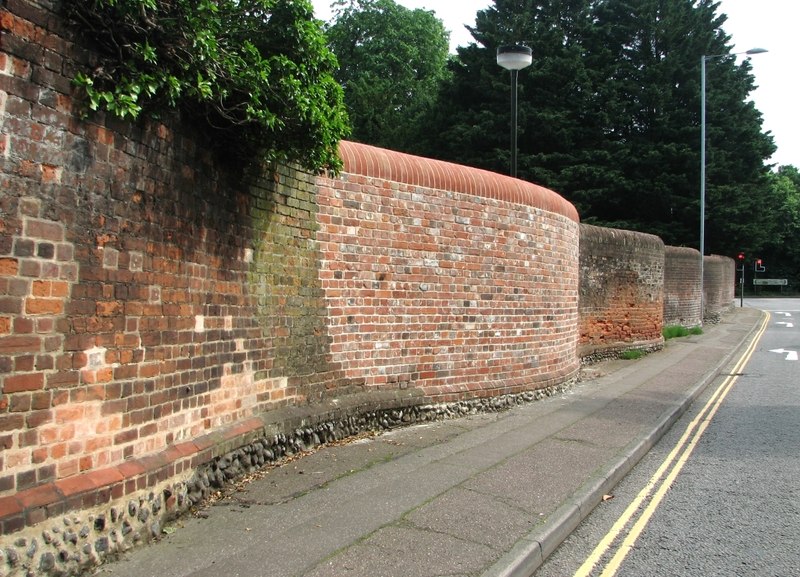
{"x": 758, "y": 262}
{"x": 741, "y": 257}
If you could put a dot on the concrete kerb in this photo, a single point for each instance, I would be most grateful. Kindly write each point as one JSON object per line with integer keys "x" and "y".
{"x": 531, "y": 551}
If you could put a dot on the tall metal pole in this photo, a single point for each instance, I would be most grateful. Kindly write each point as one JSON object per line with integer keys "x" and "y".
{"x": 513, "y": 58}
{"x": 702, "y": 181}
{"x": 703, "y": 60}
{"x": 514, "y": 74}
{"x": 741, "y": 294}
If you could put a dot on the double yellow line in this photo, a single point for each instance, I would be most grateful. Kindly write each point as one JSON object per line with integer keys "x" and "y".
{"x": 676, "y": 459}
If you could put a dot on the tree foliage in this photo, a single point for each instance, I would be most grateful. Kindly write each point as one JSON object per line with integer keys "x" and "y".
{"x": 609, "y": 115}
{"x": 391, "y": 62}
{"x": 609, "y": 111}
{"x": 779, "y": 253}
{"x": 258, "y": 71}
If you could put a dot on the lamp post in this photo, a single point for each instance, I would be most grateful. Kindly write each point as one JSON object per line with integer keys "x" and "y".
{"x": 703, "y": 60}
{"x": 514, "y": 58}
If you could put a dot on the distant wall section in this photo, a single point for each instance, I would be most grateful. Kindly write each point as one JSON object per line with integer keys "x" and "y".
{"x": 682, "y": 287}
{"x": 719, "y": 286}
{"x": 621, "y": 291}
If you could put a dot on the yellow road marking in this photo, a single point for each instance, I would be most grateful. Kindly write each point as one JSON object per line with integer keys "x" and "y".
{"x": 684, "y": 448}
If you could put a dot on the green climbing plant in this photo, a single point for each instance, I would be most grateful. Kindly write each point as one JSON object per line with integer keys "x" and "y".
{"x": 258, "y": 72}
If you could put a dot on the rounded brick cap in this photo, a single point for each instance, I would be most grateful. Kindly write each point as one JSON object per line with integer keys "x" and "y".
{"x": 394, "y": 166}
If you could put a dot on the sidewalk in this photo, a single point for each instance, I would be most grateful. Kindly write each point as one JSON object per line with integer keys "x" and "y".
{"x": 485, "y": 495}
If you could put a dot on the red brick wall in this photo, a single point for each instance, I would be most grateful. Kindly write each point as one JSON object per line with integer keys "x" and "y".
{"x": 453, "y": 292}
{"x": 682, "y": 287}
{"x": 719, "y": 285}
{"x": 150, "y": 294}
{"x": 621, "y": 290}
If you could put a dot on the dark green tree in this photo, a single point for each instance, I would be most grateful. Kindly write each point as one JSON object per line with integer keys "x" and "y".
{"x": 556, "y": 100}
{"x": 391, "y": 61}
{"x": 779, "y": 254}
{"x": 740, "y": 202}
{"x": 610, "y": 115}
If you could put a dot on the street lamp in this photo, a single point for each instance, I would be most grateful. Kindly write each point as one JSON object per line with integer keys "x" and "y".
{"x": 514, "y": 58}
{"x": 703, "y": 60}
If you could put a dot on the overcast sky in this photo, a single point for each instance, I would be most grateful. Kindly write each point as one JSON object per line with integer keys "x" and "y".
{"x": 769, "y": 24}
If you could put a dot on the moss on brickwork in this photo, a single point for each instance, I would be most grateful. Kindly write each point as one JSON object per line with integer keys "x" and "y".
{"x": 284, "y": 275}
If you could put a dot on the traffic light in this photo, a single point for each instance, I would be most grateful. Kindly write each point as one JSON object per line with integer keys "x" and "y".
{"x": 741, "y": 257}
{"x": 759, "y": 266}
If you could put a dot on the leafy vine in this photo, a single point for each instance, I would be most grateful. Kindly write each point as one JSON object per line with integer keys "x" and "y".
{"x": 257, "y": 71}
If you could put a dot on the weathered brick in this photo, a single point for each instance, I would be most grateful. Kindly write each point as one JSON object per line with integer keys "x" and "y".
{"x": 6, "y": 485}
{"x": 19, "y": 403}
{"x": 24, "y": 326}
{"x": 126, "y": 437}
{"x": 25, "y": 382}
{"x": 11, "y": 422}
{"x": 24, "y": 363}
{"x": 38, "y": 418}
{"x": 44, "y": 230}
{"x": 14, "y": 344}
{"x": 9, "y": 266}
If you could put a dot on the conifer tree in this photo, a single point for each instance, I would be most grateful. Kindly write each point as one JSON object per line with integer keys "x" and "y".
{"x": 609, "y": 115}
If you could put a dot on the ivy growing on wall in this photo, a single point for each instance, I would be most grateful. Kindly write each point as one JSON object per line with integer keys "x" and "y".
{"x": 258, "y": 72}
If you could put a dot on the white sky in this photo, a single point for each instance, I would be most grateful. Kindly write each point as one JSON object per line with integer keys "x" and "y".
{"x": 768, "y": 24}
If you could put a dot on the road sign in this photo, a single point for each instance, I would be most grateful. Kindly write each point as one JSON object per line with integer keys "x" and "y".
{"x": 770, "y": 281}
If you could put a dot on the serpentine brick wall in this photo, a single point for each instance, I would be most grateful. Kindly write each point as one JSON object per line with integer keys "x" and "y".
{"x": 682, "y": 287}
{"x": 719, "y": 285}
{"x": 446, "y": 278}
{"x": 621, "y": 291}
{"x": 159, "y": 308}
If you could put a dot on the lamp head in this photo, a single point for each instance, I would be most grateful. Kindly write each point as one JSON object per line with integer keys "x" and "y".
{"x": 514, "y": 57}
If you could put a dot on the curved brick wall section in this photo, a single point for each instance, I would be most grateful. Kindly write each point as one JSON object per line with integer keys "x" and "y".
{"x": 682, "y": 287}
{"x": 719, "y": 286}
{"x": 621, "y": 290}
{"x": 454, "y": 293}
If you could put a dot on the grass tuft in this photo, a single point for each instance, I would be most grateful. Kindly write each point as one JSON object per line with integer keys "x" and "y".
{"x": 631, "y": 354}
{"x": 675, "y": 331}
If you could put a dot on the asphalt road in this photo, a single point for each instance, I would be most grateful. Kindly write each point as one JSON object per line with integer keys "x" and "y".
{"x": 722, "y": 499}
